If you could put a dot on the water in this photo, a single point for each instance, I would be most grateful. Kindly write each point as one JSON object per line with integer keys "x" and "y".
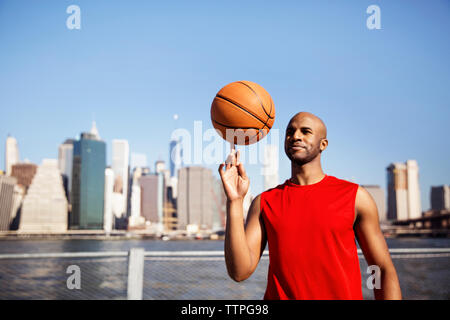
{"x": 182, "y": 278}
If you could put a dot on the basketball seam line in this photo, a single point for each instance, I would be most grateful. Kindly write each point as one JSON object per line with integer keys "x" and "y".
{"x": 260, "y": 101}
{"x": 230, "y": 127}
{"x": 240, "y": 107}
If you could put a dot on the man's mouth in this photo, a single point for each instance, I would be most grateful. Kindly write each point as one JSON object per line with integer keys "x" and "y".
{"x": 296, "y": 147}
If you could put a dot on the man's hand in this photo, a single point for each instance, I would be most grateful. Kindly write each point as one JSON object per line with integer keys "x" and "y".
{"x": 234, "y": 179}
{"x": 243, "y": 245}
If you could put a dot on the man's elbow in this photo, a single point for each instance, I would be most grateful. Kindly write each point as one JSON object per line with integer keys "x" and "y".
{"x": 239, "y": 277}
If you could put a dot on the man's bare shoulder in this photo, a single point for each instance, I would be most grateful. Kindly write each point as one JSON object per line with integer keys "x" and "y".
{"x": 255, "y": 206}
{"x": 364, "y": 203}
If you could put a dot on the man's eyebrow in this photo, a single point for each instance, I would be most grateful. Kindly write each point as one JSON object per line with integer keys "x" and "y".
{"x": 304, "y": 128}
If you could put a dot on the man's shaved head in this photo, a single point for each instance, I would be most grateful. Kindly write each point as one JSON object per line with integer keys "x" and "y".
{"x": 306, "y": 138}
{"x": 320, "y": 125}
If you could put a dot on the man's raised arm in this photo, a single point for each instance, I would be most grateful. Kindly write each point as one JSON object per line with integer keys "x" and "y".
{"x": 243, "y": 245}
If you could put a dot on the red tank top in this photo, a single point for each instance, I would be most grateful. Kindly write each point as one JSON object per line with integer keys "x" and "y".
{"x": 312, "y": 248}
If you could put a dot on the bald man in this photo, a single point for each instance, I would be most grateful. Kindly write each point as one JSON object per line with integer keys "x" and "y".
{"x": 309, "y": 222}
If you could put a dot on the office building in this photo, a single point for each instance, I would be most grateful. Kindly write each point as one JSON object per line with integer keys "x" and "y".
{"x": 195, "y": 201}
{"x": 440, "y": 198}
{"x": 136, "y": 219}
{"x": 65, "y": 160}
{"x": 403, "y": 191}
{"x": 149, "y": 198}
{"x": 414, "y": 199}
{"x": 108, "y": 219}
{"x": 11, "y": 154}
{"x": 120, "y": 166}
{"x": 88, "y": 182}
{"x": 7, "y": 185}
{"x": 45, "y": 207}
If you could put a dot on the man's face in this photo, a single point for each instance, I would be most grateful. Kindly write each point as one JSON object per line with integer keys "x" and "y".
{"x": 303, "y": 139}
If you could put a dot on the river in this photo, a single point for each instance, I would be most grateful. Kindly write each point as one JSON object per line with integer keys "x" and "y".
{"x": 422, "y": 276}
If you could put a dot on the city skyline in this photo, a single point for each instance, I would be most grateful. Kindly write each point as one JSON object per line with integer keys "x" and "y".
{"x": 91, "y": 178}
{"x": 424, "y": 205}
{"x": 374, "y": 89}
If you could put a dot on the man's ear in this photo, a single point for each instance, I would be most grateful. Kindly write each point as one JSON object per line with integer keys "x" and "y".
{"x": 323, "y": 144}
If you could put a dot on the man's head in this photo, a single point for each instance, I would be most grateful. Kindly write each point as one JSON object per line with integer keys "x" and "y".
{"x": 306, "y": 138}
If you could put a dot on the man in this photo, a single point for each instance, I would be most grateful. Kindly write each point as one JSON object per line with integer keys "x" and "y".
{"x": 310, "y": 223}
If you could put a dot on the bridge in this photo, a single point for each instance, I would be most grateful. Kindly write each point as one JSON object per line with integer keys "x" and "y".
{"x": 432, "y": 223}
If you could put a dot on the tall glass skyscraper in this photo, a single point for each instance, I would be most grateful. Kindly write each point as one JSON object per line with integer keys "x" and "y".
{"x": 88, "y": 182}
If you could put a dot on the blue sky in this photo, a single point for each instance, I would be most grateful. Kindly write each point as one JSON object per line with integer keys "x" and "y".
{"x": 384, "y": 94}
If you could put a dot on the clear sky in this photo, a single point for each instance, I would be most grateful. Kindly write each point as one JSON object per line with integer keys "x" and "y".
{"x": 384, "y": 94}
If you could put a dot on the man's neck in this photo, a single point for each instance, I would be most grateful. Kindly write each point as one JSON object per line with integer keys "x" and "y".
{"x": 309, "y": 173}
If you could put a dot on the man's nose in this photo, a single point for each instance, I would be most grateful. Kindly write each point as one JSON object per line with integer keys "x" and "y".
{"x": 297, "y": 135}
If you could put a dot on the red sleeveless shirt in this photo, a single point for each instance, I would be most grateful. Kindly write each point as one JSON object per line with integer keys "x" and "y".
{"x": 312, "y": 248}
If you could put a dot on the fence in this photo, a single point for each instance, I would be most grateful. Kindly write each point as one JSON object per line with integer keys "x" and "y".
{"x": 138, "y": 274}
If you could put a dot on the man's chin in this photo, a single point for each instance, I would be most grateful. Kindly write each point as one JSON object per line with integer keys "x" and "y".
{"x": 297, "y": 160}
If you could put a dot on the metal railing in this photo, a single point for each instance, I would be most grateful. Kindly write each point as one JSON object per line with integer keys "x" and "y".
{"x": 139, "y": 274}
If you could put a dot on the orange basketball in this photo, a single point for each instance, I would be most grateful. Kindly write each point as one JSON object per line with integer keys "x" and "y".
{"x": 242, "y": 112}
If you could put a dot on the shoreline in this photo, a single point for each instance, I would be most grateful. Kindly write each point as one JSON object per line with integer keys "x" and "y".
{"x": 120, "y": 236}
{"x": 112, "y": 236}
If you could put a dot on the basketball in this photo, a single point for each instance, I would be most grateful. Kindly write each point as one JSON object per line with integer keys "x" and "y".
{"x": 242, "y": 112}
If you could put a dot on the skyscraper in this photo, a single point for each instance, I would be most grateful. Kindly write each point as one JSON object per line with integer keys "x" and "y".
{"x": 414, "y": 202}
{"x": 120, "y": 166}
{"x": 160, "y": 166}
{"x": 440, "y": 198}
{"x": 175, "y": 163}
{"x": 11, "y": 154}
{"x": 136, "y": 219}
{"x": 65, "y": 160}
{"x": 149, "y": 197}
{"x": 88, "y": 182}
{"x": 270, "y": 166}
{"x": 195, "y": 202}
{"x": 45, "y": 206}
{"x": 403, "y": 191}
{"x": 6, "y": 201}
{"x": 107, "y": 207}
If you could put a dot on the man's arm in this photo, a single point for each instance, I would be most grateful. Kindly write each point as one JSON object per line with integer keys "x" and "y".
{"x": 243, "y": 246}
{"x": 373, "y": 245}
